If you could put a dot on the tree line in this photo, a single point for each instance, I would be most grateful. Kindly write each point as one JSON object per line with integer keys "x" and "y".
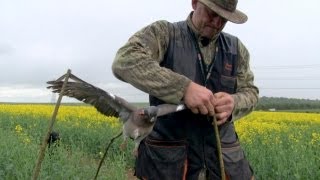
{"x": 281, "y": 103}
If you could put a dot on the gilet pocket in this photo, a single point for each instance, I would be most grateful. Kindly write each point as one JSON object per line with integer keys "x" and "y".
{"x": 228, "y": 83}
{"x": 162, "y": 160}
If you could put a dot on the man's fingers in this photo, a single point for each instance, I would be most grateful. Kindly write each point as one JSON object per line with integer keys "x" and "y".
{"x": 218, "y": 95}
{"x": 201, "y": 109}
{"x": 199, "y": 99}
{"x": 195, "y": 110}
{"x": 221, "y": 121}
{"x": 204, "y": 110}
{"x": 212, "y": 113}
{"x": 210, "y": 106}
{"x": 222, "y": 115}
{"x": 224, "y": 108}
{"x": 208, "y": 109}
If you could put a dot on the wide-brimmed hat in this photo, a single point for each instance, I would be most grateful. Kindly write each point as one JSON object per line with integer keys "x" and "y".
{"x": 226, "y": 9}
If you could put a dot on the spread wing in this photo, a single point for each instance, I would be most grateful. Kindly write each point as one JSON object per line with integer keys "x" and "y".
{"x": 106, "y": 103}
{"x": 164, "y": 109}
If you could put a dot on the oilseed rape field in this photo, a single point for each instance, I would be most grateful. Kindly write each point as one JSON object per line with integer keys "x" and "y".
{"x": 279, "y": 145}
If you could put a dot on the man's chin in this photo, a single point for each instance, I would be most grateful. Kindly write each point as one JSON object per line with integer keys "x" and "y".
{"x": 209, "y": 35}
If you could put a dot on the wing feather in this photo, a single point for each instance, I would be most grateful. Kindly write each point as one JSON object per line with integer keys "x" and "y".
{"x": 106, "y": 103}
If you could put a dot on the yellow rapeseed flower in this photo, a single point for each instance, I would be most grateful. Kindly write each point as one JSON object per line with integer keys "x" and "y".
{"x": 315, "y": 138}
{"x": 272, "y": 127}
{"x": 18, "y": 128}
{"x": 26, "y": 140}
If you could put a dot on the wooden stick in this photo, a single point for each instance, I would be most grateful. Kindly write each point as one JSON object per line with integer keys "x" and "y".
{"x": 105, "y": 154}
{"x": 37, "y": 168}
{"x": 216, "y": 130}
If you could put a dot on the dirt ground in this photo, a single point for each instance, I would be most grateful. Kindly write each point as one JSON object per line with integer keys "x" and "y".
{"x": 130, "y": 175}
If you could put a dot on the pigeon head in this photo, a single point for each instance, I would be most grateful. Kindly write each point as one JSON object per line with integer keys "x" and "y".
{"x": 151, "y": 113}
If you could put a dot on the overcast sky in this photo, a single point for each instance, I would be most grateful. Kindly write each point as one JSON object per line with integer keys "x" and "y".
{"x": 41, "y": 39}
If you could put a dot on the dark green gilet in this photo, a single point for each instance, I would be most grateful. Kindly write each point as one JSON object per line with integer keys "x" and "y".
{"x": 196, "y": 130}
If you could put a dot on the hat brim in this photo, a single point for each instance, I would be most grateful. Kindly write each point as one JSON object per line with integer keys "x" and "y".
{"x": 236, "y": 16}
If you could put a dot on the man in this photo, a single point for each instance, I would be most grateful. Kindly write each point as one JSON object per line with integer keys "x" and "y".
{"x": 193, "y": 62}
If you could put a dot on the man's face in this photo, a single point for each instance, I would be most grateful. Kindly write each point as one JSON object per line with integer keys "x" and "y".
{"x": 207, "y": 22}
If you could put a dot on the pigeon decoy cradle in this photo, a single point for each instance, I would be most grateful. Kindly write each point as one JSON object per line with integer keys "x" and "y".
{"x": 137, "y": 122}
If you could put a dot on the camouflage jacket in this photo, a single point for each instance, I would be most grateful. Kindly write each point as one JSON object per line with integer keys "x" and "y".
{"x": 137, "y": 63}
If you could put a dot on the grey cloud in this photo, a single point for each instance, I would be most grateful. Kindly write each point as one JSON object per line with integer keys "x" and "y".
{"x": 6, "y": 49}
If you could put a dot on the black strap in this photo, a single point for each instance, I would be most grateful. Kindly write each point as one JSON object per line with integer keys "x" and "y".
{"x": 205, "y": 69}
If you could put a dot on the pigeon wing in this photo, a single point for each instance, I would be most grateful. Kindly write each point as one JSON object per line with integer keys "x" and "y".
{"x": 106, "y": 103}
{"x": 164, "y": 109}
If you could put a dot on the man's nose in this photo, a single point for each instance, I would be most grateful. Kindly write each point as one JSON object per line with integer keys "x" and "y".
{"x": 217, "y": 22}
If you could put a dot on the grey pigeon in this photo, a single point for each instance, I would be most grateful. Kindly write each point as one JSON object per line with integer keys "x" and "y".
{"x": 137, "y": 122}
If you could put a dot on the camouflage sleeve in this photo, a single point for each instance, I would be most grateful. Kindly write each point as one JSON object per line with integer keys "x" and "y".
{"x": 137, "y": 63}
{"x": 247, "y": 93}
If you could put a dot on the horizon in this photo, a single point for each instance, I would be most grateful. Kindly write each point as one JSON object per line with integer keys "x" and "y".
{"x": 74, "y": 101}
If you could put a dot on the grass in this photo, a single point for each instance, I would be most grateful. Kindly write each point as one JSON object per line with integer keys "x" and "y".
{"x": 77, "y": 156}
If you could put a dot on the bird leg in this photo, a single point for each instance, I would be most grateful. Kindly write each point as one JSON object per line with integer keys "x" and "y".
{"x": 124, "y": 144}
{"x": 135, "y": 150}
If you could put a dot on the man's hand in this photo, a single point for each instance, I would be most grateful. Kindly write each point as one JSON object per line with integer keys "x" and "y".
{"x": 199, "y": 99}
{"x": 224, "y": 105}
